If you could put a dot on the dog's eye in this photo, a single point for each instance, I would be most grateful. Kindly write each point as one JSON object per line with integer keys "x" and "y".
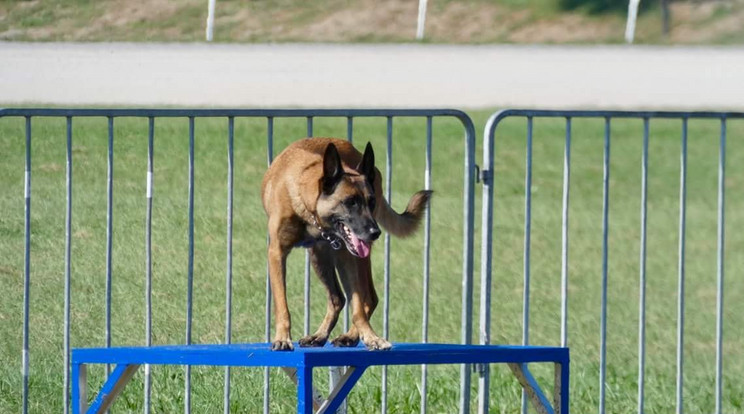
{"x": 351, "y": 202}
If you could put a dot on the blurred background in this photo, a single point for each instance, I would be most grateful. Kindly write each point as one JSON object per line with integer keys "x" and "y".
{"x": 665, "y": 22}
{"x": 363, "y": 53}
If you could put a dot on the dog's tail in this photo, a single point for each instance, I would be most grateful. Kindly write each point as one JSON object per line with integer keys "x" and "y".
{"x": 402, "y": 225}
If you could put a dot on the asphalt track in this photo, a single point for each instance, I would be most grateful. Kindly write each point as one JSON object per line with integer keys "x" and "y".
{"x": 407, "y": 75}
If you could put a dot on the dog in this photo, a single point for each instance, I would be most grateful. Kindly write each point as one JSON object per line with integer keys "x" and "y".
{"x": 324, "y": 195}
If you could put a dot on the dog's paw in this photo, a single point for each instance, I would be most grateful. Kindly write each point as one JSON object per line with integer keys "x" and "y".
{"x": 345, "y": 341}
{"x": 377, "y": 344}
{"x": 282, "y": 346}
{"x": 313, "y": 341}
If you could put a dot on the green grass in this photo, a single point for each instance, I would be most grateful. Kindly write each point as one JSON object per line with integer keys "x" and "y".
{"x": 170, "y": 252}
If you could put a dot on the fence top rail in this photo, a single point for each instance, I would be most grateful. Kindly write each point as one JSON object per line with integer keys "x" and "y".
{"x": 497, "y": 117}
{"x": 224, "y": 112}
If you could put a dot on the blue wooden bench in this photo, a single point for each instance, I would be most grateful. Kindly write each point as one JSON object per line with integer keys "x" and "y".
{"x": 303, "y": 360}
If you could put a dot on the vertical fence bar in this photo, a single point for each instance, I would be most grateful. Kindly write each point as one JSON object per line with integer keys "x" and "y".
{"x": 427, "y": 238}
{"x": 190, "y": 280}
{"x": 109, "y": 225}
{"x": 336, "y": 376}
{"x": 564, "y": 234}
{"x": 267, "y": 327}
{"x": 720, "y": 264}
{"x": 347, "y": 319}
{"x": 350, "y": 128}
{"x": 26, "y": 265}
{"x": 527, "y": 244}
{"x": 681, "y": 267}
{"x": 148, "y": 257}
{"x": 68, "y": 233}
{"x": 466, "y": 313}
{"x": 386, "y": 282}
{"x": 484, "y": 320}
{"x": 306, "y": 329}
{"x": 228, "y": 275}
{"x": 605, "y": 232}
{"x": 642, "y": 281}
{"x": 486, "y": 258}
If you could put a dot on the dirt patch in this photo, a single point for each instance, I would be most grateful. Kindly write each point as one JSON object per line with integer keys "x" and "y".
{"x": 693, "y": 22}
{"x": 386, "y": 19}
{"x": 51, "y": 167}
{"x": 83, "y": 234}
{"x": 466, "y": 22}
{"x": 570, "y": 28}
{"x": 120, "y": 14}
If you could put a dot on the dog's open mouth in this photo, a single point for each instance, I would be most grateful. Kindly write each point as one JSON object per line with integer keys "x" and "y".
{"x": 356, "y": 246}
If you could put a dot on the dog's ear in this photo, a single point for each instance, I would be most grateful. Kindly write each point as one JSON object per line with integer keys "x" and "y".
{"x": 367, "y": 166}
{"x": 332, "y": 169}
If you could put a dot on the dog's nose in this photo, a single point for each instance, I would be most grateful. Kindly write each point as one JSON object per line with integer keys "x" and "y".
{"x": 374, "y": 232}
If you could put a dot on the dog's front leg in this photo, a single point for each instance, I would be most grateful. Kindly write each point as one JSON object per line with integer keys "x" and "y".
{"x": 277, "y": 276}
{"x": 356, "y": 276}
{"x": 321, "y": 256}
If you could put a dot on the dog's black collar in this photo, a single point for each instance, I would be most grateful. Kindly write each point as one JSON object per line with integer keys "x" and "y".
{"x": 335, "y": 241}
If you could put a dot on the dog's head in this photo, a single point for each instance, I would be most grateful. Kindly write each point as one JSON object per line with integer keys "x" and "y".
{"x": 347, "y": 200}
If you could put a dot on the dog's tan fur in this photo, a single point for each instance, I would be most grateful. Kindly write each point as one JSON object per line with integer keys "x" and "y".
{"x": 299, "y": 200}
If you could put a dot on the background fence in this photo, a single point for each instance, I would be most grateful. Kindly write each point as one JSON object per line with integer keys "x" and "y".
{"x": 132, "y": 270}
{"x": 103, "y": 265}
{"x": 648, "y": 246}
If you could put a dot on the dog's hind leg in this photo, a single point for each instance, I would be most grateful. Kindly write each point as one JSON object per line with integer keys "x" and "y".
{"x": 322, "y": 260}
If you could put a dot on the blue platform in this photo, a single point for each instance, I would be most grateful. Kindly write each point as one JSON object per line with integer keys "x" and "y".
{"x": 303, "y": 360}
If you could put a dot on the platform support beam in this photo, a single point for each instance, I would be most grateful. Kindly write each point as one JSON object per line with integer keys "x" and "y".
{"x": 110, "y": 390}
{"x": 342, "y": 389}
{"x": 530, "y": 385}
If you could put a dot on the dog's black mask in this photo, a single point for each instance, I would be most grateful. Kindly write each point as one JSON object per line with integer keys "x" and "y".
{"x": 352, "y": 214}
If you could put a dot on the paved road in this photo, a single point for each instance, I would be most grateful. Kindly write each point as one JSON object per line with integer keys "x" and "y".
{"x": 372, "y": 75}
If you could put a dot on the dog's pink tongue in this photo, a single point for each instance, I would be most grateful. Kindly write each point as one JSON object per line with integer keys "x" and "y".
{"x": 361, "y": 247}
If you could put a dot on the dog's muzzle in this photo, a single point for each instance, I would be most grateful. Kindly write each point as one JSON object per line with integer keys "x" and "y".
{"x": 354, "y": 244}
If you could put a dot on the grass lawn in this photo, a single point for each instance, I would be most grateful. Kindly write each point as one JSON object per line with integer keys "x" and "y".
{"x": 169, "y": 242}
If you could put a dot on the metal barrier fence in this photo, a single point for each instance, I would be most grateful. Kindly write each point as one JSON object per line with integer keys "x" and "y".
{"x": 494, "y": 175}
{"x": 230, "y": 115}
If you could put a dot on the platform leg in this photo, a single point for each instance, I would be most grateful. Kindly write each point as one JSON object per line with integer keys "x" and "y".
{"x": 79, "y": 388}
{"x": 304, "y": 390}
{"x": 317, "y": 397}
{"x": 561, "y": 388}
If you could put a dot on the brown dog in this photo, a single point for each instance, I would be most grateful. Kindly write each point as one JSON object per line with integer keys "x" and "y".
{"x": 322, "y": 194}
